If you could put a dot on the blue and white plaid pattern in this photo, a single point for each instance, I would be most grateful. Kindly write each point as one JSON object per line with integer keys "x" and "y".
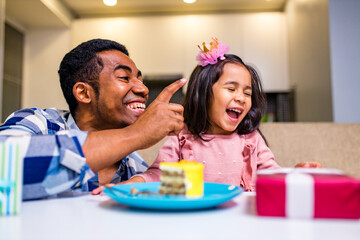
{"x": 54, "y": 161}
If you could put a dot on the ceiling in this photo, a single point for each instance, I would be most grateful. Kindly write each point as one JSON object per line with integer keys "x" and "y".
{"x": 59, "y": 13}
{"x": 91, "y": 8}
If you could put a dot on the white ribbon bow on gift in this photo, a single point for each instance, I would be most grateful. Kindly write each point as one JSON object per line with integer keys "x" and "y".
{"x": 300, "y": 192}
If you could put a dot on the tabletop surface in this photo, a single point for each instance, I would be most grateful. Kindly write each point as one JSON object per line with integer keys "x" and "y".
{"x": 98, "y": 217}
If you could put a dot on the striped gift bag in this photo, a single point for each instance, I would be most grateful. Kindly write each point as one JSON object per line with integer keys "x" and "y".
{"x": 11, "y": 176}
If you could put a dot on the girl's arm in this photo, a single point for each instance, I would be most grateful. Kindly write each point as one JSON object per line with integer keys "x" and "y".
{"x": 265, "y": 157}
{"x": 169, "y": 152}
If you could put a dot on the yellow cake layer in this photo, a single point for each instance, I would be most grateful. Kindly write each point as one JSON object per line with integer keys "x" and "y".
{"x": 194, "y": 177}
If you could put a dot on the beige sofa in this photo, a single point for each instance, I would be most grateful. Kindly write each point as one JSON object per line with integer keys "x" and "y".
{"x": 335, "y": 145}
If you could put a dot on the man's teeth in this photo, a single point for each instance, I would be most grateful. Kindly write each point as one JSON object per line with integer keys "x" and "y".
{"x": 137, "y": 106}
{"x": 235, "y": 110}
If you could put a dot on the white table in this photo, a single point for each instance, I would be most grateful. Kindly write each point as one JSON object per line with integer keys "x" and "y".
{"x": 98, "y": 217}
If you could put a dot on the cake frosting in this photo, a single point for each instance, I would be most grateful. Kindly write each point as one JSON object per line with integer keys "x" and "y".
{"x": 182, "y": 178}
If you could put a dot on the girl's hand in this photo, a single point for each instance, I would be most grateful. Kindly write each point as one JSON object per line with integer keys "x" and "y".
{"x": 99, "y": 190}
{"x": 309, "y": 165}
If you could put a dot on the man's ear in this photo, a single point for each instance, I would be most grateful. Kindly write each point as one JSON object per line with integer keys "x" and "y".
{"x": 83, "y": 92}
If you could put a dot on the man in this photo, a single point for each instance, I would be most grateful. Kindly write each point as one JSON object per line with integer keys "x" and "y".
{"x": 107, "y": 122}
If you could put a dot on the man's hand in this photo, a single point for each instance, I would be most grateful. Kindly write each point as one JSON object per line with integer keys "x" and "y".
{"x": 105, "y": 148}
{"x": 161, "y": 117}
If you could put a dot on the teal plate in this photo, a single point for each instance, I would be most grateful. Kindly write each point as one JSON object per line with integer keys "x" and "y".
{"x": 214, "y": 194}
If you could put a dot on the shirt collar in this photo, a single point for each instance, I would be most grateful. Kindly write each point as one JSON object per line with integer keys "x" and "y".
{"x": 71, "y": 123}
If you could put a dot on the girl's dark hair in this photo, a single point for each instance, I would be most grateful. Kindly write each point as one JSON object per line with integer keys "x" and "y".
{"x": 199, "y": 94}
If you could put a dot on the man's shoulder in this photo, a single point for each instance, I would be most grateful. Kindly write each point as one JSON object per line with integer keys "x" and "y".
{"x": 32, "y": 113}
{"x": 44, "y": 112}
{"x": 36, "y": 119}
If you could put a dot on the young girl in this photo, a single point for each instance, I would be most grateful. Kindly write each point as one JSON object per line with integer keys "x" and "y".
{"x": 223, "y": 106}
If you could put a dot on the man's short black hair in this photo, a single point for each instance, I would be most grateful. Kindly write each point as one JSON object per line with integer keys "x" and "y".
{"x": 82, "y": 64}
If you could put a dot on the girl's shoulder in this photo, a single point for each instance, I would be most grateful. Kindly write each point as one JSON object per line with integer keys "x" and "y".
{"x": 253, "y": 134}
{"x": 184, "y": 135}
{"x": 185, "y": 132}
{"x": 253, "y": 137}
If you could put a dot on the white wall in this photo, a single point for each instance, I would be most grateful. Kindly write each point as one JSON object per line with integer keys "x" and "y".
{"x": 325, "y": 72}
{"x": 309, "y": 59}
{"x": 168, "y": 44}
{"x": 158, "y": 45}
{"x": 44, "y": 50}
{"x": 345, "y": 59}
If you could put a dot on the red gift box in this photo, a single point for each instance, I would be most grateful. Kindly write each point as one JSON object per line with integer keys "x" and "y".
{"x": 307, "y": 193}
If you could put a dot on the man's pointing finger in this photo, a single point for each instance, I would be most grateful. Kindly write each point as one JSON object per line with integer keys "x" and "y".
{"x": 170, "y": 90}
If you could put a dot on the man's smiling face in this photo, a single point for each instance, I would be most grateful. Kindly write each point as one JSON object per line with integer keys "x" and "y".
{"x": 122, "y": 93}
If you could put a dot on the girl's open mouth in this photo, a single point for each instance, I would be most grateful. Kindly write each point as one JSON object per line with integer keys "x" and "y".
{"x": 233, "y": 114}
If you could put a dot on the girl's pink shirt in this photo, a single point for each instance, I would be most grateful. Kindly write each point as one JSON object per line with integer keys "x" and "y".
{"x": 229, "y": 159}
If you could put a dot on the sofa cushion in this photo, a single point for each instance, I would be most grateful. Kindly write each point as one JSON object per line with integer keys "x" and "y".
{"x": 335, "y": 145}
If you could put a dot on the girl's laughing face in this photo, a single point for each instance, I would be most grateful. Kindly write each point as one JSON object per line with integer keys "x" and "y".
{"x": 231, "y": 99}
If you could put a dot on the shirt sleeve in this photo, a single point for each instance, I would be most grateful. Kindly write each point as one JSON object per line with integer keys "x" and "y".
{"x": 131, "y": 165}
{"x": 169, "y": 152}
{"x": 265, "y": 157}
{"x": 53, "y": 161}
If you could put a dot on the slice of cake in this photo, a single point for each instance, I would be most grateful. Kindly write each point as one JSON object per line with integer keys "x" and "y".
{"x": 182, "y": 178}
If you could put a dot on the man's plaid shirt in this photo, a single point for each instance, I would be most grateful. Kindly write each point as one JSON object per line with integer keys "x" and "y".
{"x": 54, "y": 162}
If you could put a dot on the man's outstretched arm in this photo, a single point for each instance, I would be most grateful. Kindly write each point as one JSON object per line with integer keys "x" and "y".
{"x": 161, "y": 118}
{"x": 58, "y": 159}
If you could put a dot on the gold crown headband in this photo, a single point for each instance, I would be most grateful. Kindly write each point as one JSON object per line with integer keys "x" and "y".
{"x": 210, "y": 55}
